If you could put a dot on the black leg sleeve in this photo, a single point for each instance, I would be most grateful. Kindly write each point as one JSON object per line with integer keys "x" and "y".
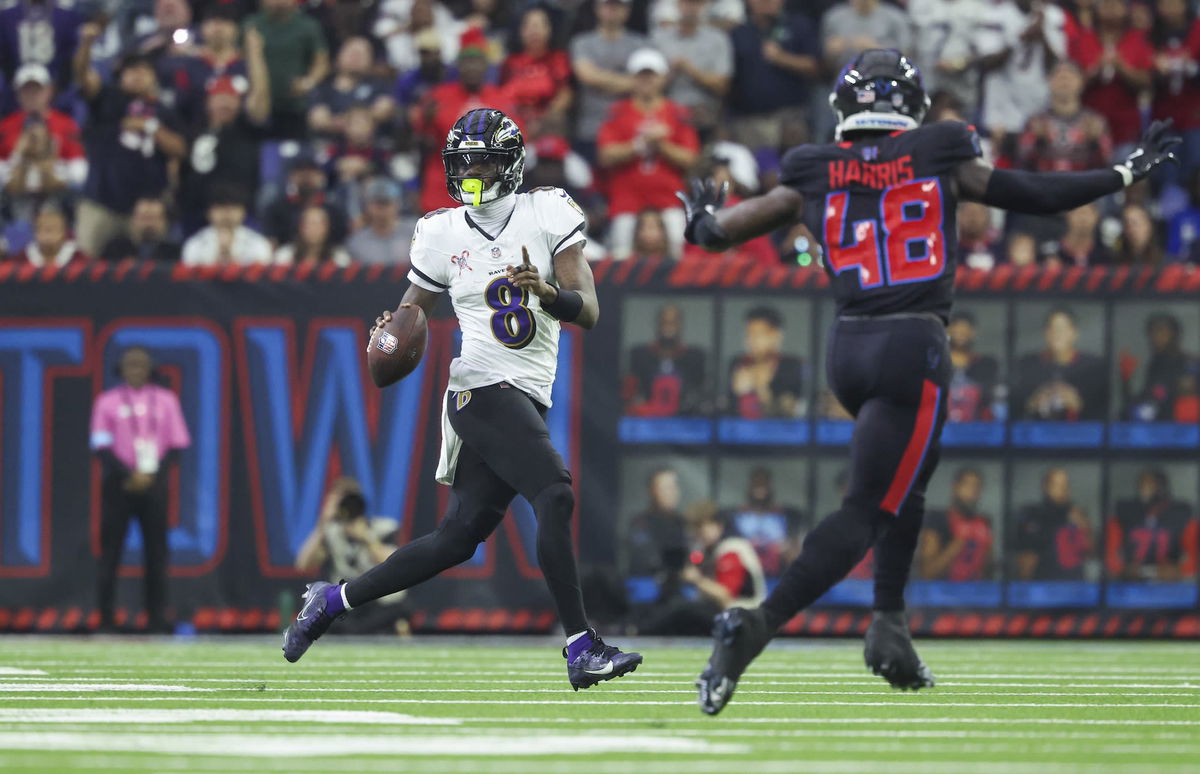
{"x": 556, "y": 556}
{"x": 894, "y": 554}
{"x": 830, "y": 552}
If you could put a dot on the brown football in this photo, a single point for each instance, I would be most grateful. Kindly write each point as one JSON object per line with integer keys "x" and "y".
{"x": 397, "y": 347}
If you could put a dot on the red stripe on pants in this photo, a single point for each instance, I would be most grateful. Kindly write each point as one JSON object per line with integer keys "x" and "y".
{"x": 914, "y": 453}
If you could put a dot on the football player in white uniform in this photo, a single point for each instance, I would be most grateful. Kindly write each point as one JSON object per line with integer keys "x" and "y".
{"x": 514, "y": 268}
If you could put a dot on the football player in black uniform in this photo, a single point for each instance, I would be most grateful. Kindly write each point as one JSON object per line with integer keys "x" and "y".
{"x": 883, "y": 201}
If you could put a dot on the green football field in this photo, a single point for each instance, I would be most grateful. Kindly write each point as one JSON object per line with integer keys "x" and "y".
{"x": 479, "y": 705}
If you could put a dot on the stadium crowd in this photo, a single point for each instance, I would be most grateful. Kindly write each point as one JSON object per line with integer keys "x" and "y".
{"x": 299, "y": 131}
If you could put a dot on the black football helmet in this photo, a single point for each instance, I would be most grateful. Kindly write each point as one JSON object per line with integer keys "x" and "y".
{"x": 879, "y": 90}
{"x": 484, "y": 144}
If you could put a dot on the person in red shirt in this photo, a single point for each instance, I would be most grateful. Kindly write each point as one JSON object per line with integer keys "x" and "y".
{"x": 40, "y": 151}
{"x": 956, "y": 543}
{"x": 51, "y": 245}
{"x": 442, "y": 106}
{"x": 646, "y": 147}
{"x": 1176, "y": 41}
{"x": 1117, "y": 61}
{"x": 537, "y": 78}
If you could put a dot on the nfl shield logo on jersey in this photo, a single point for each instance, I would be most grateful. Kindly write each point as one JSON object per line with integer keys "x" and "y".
{"x": 386, "y": 343}
{"x": 496, "y": 253}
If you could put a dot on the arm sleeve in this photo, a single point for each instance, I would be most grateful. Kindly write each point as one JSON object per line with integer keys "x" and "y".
{"x": 1047, "y": 193}
{"x": 563, "y": 221}
{"x": 427, "y": 272}
{"x": 102, "y": 430}
{"x": 178, "y": 435}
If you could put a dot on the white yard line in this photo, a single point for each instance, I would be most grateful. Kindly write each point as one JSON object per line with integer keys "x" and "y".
{"x": 98, "y": 688}
{"x": 307, "y": 746}
{"x": 173, "y": 716}
{"x": 9, "y": 671}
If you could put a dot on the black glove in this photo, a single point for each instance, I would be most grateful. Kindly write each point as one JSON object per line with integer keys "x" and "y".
{"x": 1153, "y": 149}
{"x": 705, "y": 199}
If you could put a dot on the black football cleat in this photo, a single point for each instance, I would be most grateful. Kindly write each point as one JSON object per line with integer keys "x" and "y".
{"x": 889, "y": 653}
{"x": 598, "y": 663}
{"x": 739, "y": 635}
{"x": 311, "y": 622}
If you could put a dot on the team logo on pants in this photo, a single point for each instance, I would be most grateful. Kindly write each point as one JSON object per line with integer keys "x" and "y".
{"x": 462, "y": 399}
{"x": 387, "y": 343}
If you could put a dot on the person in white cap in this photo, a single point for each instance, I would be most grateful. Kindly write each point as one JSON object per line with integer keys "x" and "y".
{"x": 40, "y": 151}
{"x": 647, "y": 146}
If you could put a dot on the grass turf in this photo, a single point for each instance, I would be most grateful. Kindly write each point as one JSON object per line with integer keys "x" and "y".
{"x": 484, "y": 705}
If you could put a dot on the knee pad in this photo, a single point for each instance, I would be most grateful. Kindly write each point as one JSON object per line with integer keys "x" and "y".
{"x": 555, "y": 502}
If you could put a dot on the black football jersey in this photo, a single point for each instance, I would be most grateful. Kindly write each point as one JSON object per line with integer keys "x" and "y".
{"x": 884, "y": 211}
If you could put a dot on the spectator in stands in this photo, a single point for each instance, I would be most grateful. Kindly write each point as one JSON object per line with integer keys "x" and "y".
{"x": 227, "y": 148}
{"x": 775, "y": 530}
{"x": 552, "y": 162}
{"x": 40, "y": 152}
{"x": 52, "y": 244}
{"x": 412, "y": 84}
{"x": 537, "y": 79}
{"x": 1080, "y": 245}
{"x": 656, "y": 540}
{"x": 701, "y": 58}
{"x": 149, "y": 235}
{"x": 731, "y": 164}
{"x": 1169, "y": 380}
{"x": 383, "y": 238}
{"x": 1053, "y": 538}
{"x": 1021, "y": 249}
{"x": 1117, "y": 61}
{"x": 1060, "y": 383}
{"x": 443, "y": 105}
{"x": 723, "y": 571}
{"x": 352, "y": 85}
{"x": 188, "y": 75}
{"x": 1067, "y": 136}
{"x": 359, "y": 153}
{"x": 130, "y": 140}
{"x": 978, "y": 240}
{"x": 956, "y": 544}
{"x": 1018, "y": 47}
{"x": 1139, "y": 243}
{"x": 45, "y": 33}
{"x": 650, "y": 237}
{"x": 667, "y": 376}
{"x": 227, "y": 239}
{"x": 775, "y": 60}
{"x": 973, "y": 387}
{"x": 344, "y": 544}
{"x": 945, "y": 37}
{"x": 647, "y": 146}
{"x": 306, "y": 185}
{"x": 1175, "y": 39}
{"x": 855, "y": 25}
{"x": 600, "y": 61}
{"x": 401, "y": 22}
{"x": 172, "y": 32}
{"x": 313, "y": 244}
{"x": 1152, "y": 536}
{"x": 763, "y": 381}
{"x": 297, "y": 61}
{"x": 137, "y": 433}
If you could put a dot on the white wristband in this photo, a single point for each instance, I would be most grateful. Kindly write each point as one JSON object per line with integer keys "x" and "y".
{"x": 1126, "y": 174}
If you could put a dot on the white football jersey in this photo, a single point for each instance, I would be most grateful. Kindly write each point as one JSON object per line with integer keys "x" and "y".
{"x": 506, "y": 337}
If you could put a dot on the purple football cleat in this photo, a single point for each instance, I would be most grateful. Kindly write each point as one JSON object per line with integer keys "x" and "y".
{"x": 595, "y": 662}
{"x": 311, "y": 622}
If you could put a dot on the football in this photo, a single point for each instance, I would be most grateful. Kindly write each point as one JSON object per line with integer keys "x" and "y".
{"x": 397, "y": 347}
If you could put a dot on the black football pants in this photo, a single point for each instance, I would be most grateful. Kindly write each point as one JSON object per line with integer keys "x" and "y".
{"x": 116, "y": 508}
{"x": 506, "y": 451}
{"x": 892, "y": 374}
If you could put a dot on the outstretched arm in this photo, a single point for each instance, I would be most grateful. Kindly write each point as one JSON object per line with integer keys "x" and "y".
{"x": 1045, "y": 193}
{"x": 717, "y": 229}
